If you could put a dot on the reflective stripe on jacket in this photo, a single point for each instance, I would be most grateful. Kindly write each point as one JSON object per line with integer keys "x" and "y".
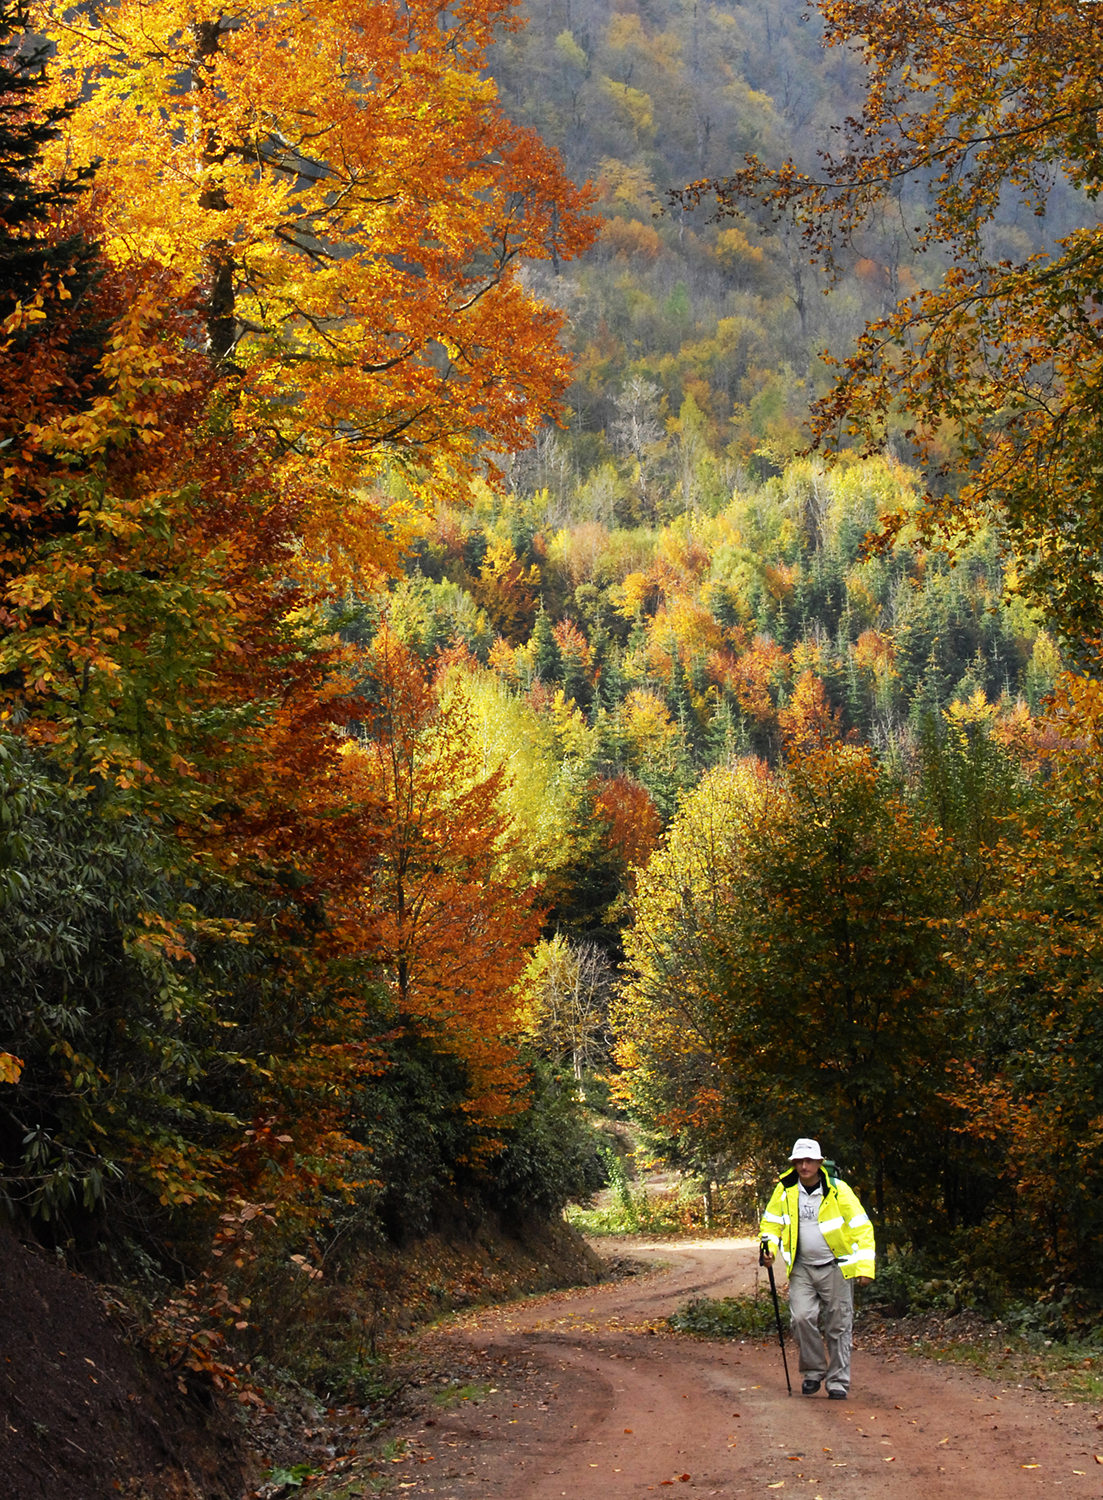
{"x": 844, "y": 1224}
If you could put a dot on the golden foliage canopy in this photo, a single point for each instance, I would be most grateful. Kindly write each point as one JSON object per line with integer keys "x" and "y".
{"x": 341, "y": 184}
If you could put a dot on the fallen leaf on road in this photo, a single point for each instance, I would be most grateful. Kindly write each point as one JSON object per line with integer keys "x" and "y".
{"x": 628, "y": 1429}
{"x": 891, "y": 1460}
{"x": 779, "y": 1486}
{"x": 1098, "y": 1457}
{"x": 941, "y": 1441}
{"x": 1030, "y": 1466}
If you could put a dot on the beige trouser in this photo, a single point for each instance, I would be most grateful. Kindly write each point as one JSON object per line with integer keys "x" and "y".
{"x": 821, "y": 1297}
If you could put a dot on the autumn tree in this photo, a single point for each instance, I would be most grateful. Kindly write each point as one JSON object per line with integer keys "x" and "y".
{"x": 184, "y": 719}
{"x": 1030, "y": 1075}
{"x": 568, "y": 985}
{"x": 970, "y": 111}
{"x": 791, "y": 969}
{"x": 438, "y": 917}
{"x": 144, "y": 552}
{"x": 506, "y": 590}
{"x": 632, "y": 823}
{"x": 807, "y": 721}
{"x": 342, "y": 190}
{"x": 157, "y": 663}
{"x": 669, "y": 1043}
{"x": 835, "y": 999}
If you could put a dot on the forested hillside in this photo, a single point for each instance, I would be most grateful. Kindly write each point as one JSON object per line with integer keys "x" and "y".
{"x": 440, "y": 696}
{"x": 698, "y": 341}
{"x": 689, "y": 336}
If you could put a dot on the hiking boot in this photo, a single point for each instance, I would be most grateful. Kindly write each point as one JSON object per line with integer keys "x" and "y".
{"x": 810, "y": 1387}
{"x": 836, "y": 1395}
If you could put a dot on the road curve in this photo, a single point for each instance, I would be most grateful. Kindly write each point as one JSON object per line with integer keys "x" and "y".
{"x": 588, "y": 1396}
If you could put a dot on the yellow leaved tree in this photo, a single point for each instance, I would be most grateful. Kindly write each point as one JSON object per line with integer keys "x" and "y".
{"x": 671, "y": 1041}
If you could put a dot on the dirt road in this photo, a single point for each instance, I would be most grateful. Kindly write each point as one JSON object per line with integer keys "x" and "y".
{"x": 586, "y": 1396}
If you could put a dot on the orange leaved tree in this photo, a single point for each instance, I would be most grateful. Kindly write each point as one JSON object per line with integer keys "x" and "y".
{"x": 339, "y": 182}
{"x": 438, "y": 917}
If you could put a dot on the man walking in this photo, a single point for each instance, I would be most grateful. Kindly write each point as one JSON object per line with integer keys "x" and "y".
{"x": 826, "y": 1241}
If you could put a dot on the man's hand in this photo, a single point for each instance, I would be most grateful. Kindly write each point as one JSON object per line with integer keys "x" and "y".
{"x": 864, "y": 1280}
{"x": 767, "y": 1256}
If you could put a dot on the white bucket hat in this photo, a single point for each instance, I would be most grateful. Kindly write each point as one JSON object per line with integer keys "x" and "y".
{"x": 806, "y": 1147}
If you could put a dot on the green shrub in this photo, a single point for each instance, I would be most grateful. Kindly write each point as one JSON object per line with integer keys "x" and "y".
{"x": 1073, "y": 1318}
{"x": 113, "y": 1116}
{"x": 551, "y": 1154}
{"x": 727, "y": 1317}
{"x": 913, "y": 1282}
{"x": 422, "y": 1145}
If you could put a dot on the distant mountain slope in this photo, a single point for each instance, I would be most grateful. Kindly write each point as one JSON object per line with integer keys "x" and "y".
{"x": 714, "y": 328}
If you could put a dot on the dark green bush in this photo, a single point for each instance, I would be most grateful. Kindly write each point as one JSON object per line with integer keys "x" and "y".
{"x": 728, "y": 1317}
{"x": 425, "y": 1151}
{"x": 116, "y": 1035}
{"x": 551, "y": 1153}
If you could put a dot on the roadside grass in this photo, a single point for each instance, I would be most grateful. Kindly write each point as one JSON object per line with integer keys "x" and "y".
{"x": 1072, "y": 1369}
{"x": 645, "y": 1213}
{"x": 674, "y": 1214}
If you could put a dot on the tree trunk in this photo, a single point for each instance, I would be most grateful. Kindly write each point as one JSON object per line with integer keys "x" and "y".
{"x": 221, "y": 323}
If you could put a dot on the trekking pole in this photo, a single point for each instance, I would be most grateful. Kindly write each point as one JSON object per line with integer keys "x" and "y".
{"x": 777, "y": 1310}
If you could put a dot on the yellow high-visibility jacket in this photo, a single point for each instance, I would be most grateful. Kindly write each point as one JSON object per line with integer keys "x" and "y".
{"x": 844, "y": 1224}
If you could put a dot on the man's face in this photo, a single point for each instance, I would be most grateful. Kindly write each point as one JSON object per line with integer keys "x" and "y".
{"x": 808, "y": 1169}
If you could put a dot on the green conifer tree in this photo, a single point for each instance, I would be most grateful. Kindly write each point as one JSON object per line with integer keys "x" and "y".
{"x": 27, "y": 251}
{"x": 547, "y": 660}
{"x": 576, "y": 681}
